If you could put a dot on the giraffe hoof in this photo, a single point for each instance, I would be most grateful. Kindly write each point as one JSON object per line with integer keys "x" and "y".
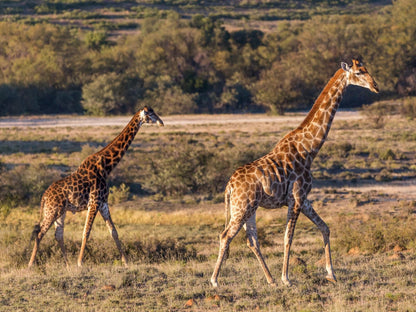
{"x": 286, "y": 282}
{"x": 214, "y": 284}
{"x": 331, "y": 278}
{"x": 273, "y": 284}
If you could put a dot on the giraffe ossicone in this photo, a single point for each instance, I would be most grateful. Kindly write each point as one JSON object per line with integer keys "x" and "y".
{"x": 283, "y": 176}
{"x": 87, "y": 189}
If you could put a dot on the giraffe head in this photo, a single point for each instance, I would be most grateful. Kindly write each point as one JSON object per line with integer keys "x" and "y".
{"x": 358, "y": 75}
{"x": 147, "y": 115}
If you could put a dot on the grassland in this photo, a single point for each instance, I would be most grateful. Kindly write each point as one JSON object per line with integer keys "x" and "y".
{"x": 364, "y": 189}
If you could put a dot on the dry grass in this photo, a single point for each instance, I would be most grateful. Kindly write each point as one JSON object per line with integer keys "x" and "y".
{"x": 172, "y": 242}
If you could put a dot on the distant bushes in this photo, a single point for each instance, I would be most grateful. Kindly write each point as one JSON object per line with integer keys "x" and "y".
{"x": 408, "y": 108}
{"x": 24, "y": 185}
{"x": 186, "y": 170}
{"x": 196, "y": 65}
{"x": 199, "y": 166}
{"x": 376, "y": 235}
{"x": 185, "y": 167}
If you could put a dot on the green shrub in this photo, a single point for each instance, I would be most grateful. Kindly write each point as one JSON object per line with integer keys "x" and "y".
{"x": 375, "y": 235}
{"x": 378, "y": 113}
{"x": 408, "y": 107}
{"x": 96, "y": 39}
{"x": 25, "y": 184}
{"x": 118, "y": 194}
{"x": 387, "y": 155}
{"x": 180, "y": 171}
{"x": 338, "y": 149}
{"x": 383, "y": 176}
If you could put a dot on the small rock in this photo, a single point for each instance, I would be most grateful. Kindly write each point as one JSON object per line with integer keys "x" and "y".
{"x": 354, "y": 251}
{"x": 214, "y": 298}
{"x": 398, "y": 248}
{"x": 190, "y": 303}
{"x": 297, "y": 261}
{"x": 108, "y": 287}
{"x": 397, "y": 256}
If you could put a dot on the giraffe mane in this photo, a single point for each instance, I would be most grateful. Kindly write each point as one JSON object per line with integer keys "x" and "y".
{"x": 315, "y": 106}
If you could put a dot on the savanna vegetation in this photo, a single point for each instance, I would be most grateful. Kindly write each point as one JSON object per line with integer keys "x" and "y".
{"x": 166, "y": 201}
{"x": 166, "y": 196}
{"x": 105, "y": 57}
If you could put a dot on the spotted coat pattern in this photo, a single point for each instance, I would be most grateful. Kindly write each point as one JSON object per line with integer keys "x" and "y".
{"x": 283, "y": 176}
{"x": 87, "y": 189}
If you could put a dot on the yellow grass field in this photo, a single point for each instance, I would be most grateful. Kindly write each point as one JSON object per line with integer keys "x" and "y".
{"x": 364, "y": 188}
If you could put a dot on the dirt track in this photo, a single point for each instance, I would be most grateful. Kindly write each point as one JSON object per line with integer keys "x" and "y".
{"x": 177, "y": 120}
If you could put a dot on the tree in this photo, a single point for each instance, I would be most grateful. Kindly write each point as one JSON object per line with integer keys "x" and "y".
{"x": 279, "y": 88}
{"x": 111, "y": 94}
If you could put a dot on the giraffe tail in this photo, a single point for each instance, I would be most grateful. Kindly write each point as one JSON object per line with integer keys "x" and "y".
{"x": 36, "y": 228}
{"x": 227, "y": 196}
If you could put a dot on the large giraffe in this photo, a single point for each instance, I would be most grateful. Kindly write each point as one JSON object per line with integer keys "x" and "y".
{"x": 86, "y": 188}
{"x": 283, "y": 176}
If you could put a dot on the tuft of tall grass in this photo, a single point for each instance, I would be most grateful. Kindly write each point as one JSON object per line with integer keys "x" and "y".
{"x": 375, "y": 235}
{"x": 99, "y": 250}
{"x": 408, "y": 107}
{"x": 118, "y": 194}
{"x": 377, "y": 114}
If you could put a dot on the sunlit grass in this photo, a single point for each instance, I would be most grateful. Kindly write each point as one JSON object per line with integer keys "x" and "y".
{"x": 172, "y": 241}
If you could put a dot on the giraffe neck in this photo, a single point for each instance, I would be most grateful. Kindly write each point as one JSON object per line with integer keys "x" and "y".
{"x": 113, "y": 152}
{"x": 314, "y": 129}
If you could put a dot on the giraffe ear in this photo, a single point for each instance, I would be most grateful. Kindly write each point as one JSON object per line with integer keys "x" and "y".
{"x": 345, "y": 66}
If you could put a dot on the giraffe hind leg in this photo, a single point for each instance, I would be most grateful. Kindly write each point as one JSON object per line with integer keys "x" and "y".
{"x": 225, "y": 239}
{"x": 254, "y": 245}
{"x": 38, "y": 233}
{"x": 59, "y": 236}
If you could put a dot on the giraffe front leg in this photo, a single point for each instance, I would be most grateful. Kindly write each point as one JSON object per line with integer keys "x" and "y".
{"x": 92, "y": 212}
{"x": 308, "y": 211}
{"x": 105, "y": 213}
{"x": 290, "y": 229}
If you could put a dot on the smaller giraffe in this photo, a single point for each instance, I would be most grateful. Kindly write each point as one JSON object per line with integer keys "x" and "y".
{"x": 283, "y": 177}
{"x": 87, "y": 188}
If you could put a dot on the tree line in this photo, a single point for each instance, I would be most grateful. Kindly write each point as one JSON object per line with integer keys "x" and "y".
{"x": 198, "y": 66}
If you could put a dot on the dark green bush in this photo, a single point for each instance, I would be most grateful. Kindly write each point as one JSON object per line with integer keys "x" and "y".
{"x": 408, "y": 107}
{"x": 182, "y": 170}
{"x": 197, "y": 65}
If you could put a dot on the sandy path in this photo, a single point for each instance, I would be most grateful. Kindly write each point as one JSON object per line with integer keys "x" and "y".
{"x": 178, "y": 120}
{"x": 405, "y": 188}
